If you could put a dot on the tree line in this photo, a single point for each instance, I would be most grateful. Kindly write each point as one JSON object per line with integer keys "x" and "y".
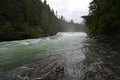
{"x": 104, "y": 18}
{"x": 23, "y": 19}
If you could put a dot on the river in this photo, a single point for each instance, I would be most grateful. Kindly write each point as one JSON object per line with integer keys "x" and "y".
{"x": 65, "y": 56}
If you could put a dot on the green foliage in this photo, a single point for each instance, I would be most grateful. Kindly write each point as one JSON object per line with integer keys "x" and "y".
{"x": 21, "y": 19}
{"x": 118, "y": 36}
{"x": 7, "y": 29}
{"x": 104, "y": 17}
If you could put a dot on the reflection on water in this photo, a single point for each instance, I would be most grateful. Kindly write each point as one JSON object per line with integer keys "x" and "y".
{"x": 65, "y": 56}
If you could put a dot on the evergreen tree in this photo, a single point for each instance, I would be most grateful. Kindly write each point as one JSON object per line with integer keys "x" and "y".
{"x": 103, "y": 18}
{"x": 21, "y": 19}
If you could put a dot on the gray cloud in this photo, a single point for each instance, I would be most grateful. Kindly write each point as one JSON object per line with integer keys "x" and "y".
{"x": 70, "y": 9}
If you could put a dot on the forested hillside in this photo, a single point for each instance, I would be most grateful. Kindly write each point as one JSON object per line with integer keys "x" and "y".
{"x": 22, "y": 19}
{"x": 104, "y": 18}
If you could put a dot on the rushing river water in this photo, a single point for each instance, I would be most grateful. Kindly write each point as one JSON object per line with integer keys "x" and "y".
{"x": 76, "y": 56}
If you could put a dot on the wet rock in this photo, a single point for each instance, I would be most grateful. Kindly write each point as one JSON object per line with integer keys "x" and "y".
{"x": 50, "y": 68}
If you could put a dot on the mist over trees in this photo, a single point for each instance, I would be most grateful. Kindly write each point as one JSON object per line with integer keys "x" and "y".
{"x": 72, "y": 27}
{"x": 22, "y": 19}
{"x": 104, "y": 18}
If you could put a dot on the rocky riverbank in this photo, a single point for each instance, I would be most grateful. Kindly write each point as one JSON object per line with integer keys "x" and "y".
{"x": 103, "y": 59}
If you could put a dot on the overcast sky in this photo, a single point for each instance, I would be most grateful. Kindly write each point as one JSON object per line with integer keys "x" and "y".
{"x": 70, "y": 9}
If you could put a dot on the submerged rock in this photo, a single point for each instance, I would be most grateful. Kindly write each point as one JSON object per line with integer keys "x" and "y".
{"x": 50, "y": 68}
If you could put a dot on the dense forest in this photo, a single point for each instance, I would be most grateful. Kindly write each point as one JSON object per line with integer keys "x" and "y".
{"x": 22, "y": 19}
{"x": 104, "y": 18}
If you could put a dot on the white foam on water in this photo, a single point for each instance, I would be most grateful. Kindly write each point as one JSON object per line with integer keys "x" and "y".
{"x": 30, "y": 41}
{"x": 34, "y": 41}
{"x": 25, "y": 43}
{"x": 71, "y": 34}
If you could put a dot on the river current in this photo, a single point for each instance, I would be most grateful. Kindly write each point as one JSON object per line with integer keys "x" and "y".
{"x": 78, "y": 57}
